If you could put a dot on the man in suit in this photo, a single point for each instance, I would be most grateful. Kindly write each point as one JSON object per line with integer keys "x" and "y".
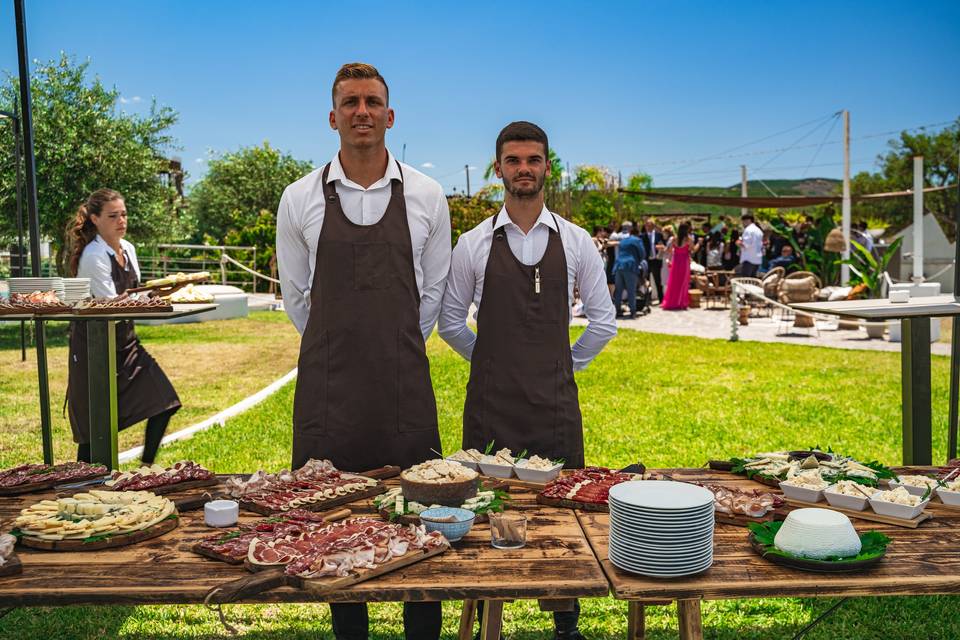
{"x": 652, "y": 241}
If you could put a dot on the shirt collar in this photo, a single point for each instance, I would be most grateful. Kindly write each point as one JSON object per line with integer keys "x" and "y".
{"x": 546, "y": 218}
{"x": 336, "y": 173}
{"x": 105, "y": 246}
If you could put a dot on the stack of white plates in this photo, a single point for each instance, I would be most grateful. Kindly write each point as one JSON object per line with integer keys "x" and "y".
{"x": 661, "y": 528}
{"x": 76, "y": 289}
{"x": 29, "y": 285}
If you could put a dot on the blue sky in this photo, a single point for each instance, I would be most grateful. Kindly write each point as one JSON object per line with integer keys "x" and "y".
{"x": 629, "y": 85}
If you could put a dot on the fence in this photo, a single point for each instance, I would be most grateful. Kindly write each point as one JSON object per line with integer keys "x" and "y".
{"x": 227, "y": 262}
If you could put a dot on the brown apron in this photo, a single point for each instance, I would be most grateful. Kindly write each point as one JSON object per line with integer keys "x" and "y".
{"x": 364, "y": 397}
{"x": 521, "y": 392}
{"x": 143, "y": 389}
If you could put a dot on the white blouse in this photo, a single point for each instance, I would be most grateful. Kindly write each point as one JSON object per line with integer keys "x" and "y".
{"x": 95, "y": 264}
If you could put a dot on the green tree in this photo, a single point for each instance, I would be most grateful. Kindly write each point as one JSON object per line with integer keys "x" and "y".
{"x": 237, "y": 188}
{"x": 83, "y": 142}
{"x": 634, "y": 204}
{"x": 939, "y": 150}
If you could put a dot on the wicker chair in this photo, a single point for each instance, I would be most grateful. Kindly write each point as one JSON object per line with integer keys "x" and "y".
{"x": 771, "y": 282}
{"x": 799, "y": 286}
{"x": 756, "y": 285}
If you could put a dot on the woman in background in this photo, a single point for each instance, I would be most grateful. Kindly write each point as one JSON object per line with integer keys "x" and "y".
{"x": 143, "y": 390}
{"x": 677, "y": 294}
{"x": 665, "y": 252}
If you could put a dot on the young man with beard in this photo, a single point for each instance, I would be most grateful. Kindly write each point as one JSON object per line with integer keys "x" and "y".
{"x": 519, "y": 268}
{"x": 363, "y": 246}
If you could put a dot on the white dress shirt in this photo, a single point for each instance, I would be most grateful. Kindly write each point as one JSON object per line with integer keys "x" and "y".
{"x": 752, "y": 249}
{"x": 95, "y": 264}
{"x": 300, "y": 218}
{"x": 584, "y": 268}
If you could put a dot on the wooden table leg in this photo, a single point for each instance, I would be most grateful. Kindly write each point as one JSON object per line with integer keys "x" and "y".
{"x": 636, "y": 622}
{"x": 467, "y": 615}
{"x": 688, "y": 615}
{"x": 492, "y": 621}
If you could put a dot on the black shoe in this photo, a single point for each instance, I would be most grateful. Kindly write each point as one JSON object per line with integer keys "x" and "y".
{"x": 573, "y": 635}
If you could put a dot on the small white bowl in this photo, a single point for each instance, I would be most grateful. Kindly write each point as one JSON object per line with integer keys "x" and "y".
{"x": 221, "y": 513}
{"x": 843, "y": 501}
{"x": 537, "y": 475}
{"x": 469, "y": 464}
{"x": 496, "y": 470}
{"x": 802, "y": 494}
{"x": 912, "y": 490}
{"x": 949, "y": 497}
{"x": 895, "y": 510}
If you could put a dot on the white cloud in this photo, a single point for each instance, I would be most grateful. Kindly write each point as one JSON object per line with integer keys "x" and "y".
{"x": 200, "y": 160}
{"x": 428, "y": 165}
{"x": 123, "y": 100}
{"x": 135, "y": 99}
{"x": 472, "y": 168}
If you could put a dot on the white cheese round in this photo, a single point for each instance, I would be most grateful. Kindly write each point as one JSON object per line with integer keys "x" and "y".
{"x": 817, "y": 534}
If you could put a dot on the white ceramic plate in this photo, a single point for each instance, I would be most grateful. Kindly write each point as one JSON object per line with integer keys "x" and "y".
{"x": 496, "y": 470}
{"x": 843, "y": 501}
{"x": 664, "y": 495}
{"x": 949, "y": 497}
{"x": 912, "y": 490}
{"x": 537, "y": 475}
{"x": 801, "y": 493}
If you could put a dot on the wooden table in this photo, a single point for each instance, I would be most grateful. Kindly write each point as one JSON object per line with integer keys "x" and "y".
{"x": 102, "y": 374}
{"x": 925, "y": 560}
{"x": 557, "y": 564}
{"x": 914, "y": 362}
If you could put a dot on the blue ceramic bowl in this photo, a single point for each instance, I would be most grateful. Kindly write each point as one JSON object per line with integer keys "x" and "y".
{"x": 452, "y": 531}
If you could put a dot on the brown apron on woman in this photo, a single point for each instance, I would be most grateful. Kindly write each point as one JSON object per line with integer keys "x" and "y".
{"x": 521, "y": 392}
{"x": 143, "y": 389}
{"x": 364, "y": 397}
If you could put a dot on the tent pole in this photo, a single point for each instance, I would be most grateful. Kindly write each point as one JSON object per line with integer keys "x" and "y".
{"x": 952, "y": 426}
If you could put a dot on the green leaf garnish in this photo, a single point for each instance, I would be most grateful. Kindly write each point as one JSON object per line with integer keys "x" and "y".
{"x": 873, "y": 544}
{"x": 489, "y": 447}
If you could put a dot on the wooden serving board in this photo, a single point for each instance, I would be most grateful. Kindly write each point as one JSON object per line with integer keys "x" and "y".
{"x": 113, "y": 310}
{"x": 12, "y": 567}
{"x": 339, "y": 514}
{"x": 866, "y": 514}
{"x": 572, "y": 504}
{"x": 173, "y": 488}
{"x": 742, "y": 520}
{"x": 273, "y": 577}
{"x": 362, "y": 494}
{"x": 41, "y": 486}
{"x": 164, "y": 526}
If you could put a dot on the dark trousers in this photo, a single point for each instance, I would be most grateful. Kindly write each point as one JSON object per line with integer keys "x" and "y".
{"x": 625, "y": 280}
{"x": 655, "y": 267}
{"x": 564, "y": 622}
{"x": 748, "y": 269}
{"x": 421, "y": 620}
{"x": 156, "y": 427}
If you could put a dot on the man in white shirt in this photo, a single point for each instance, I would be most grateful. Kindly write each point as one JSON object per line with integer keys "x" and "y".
{"x": 363, "y": 247}
{"x": 520, "y": 267}
{"x": 751, "y": 247}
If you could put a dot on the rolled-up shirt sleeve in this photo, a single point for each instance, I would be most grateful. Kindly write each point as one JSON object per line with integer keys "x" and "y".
{"x": 96, "y": 266}
{"x": 456, "y": 301}
{"x": 435, "y": 263}
{"x": 597, "y": 304}
{"x": 293, "y": 262}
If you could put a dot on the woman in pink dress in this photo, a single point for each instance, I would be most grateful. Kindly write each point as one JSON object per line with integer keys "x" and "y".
{"x": 676, "y": 296}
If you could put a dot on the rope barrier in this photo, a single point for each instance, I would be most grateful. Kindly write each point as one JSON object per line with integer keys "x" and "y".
{"x": 776, "y": 303}
{"x": 225, "y": 258}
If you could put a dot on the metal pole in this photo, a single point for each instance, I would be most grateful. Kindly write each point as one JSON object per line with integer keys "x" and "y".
{"x": 743, "y": 187}
{"x": 845, "y": 269}
{"x": 466, "y": 168}
{"x": 918, "y": 218}
{"x": 952, "y": 424}
{"x": 34, "y": 220}
{"x": 14, "y": 119}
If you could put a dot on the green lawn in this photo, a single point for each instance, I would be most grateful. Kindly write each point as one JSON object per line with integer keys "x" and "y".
{"x": 668, "y": 401}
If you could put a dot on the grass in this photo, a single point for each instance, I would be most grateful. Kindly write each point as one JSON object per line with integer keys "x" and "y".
{"x": 212, "y": 366}
{"x": 669, "y": 401}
